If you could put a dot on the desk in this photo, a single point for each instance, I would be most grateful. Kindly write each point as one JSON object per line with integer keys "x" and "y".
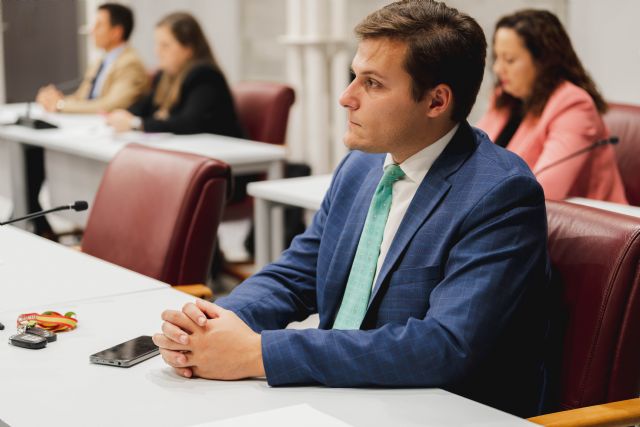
{"x": 73, "y": 392}
{"x": 36, "y": 271}
{"x": 77, "y": 153}
{"x": 305, "y": 192}
{"x": 58, "y": 386}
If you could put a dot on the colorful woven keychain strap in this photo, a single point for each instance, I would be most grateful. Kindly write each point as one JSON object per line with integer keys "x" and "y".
{"x": 50, "y": 320}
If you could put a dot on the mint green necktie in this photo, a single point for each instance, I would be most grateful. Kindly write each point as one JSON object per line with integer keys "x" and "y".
{"x": 363, "y": 270}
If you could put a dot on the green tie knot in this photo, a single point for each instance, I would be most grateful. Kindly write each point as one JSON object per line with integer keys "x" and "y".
{"x": 392, "y": 173}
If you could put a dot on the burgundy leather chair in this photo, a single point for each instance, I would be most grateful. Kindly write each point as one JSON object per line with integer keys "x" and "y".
{"x": 157, "y": 213}
{"x": 624, "y": 121}
{"x": 597, "y": 256}
{"x": 263, "y": 110}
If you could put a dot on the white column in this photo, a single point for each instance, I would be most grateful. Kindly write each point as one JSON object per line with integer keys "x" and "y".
{"x": 340, "y": 63}
{"x": 316, "y": 86}
{"x": 296, "y": 139}
{"x": 318, "y": 68}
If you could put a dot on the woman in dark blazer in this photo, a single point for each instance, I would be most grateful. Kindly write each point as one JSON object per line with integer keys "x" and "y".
{"x": 189, "y": 94}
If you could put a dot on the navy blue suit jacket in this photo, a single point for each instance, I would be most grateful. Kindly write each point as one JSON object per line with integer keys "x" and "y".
{"x": 456, "y": 302}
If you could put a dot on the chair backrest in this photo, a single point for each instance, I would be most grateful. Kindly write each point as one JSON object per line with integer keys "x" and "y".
{"x": 596, "y": 254}
{"x": 263, "y": 109}
{"x": 624, "y": 121}
{"x": 157, "y": 212}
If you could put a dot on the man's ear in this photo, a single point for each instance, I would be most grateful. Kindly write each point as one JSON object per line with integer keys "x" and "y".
{"x": 118, "y": 32}
{"x": 439, "y": 101}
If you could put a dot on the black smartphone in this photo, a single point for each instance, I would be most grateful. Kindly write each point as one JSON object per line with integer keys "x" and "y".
{"x": 128, "y": 353}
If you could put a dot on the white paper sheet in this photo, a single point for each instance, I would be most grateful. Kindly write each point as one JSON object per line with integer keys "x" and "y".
{"x": 289, "y": 416}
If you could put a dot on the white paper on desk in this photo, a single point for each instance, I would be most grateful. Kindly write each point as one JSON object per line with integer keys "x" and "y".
{"x": 289, "y": 416}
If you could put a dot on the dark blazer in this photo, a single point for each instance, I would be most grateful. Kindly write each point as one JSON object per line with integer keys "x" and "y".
{"x": 205, "y": 106}
{"x": 456, "y": 303}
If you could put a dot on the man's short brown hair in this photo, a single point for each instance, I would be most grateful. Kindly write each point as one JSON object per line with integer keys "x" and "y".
{"x": 443, "y": 46}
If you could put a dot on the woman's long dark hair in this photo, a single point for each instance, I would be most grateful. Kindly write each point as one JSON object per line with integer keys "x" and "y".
{"x": 548, "y": 43}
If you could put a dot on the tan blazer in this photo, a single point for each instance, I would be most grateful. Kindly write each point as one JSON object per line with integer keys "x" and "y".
{"x": 568, "y": 123}
{"x": 126, "y": 81}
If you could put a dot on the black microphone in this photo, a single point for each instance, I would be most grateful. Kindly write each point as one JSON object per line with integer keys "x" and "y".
{"x": 78, "y": 206}
{"x": 611, "y": 140}
{"x": 30, "y": 122}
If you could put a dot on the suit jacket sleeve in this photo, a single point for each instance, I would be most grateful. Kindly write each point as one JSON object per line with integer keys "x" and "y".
{"x": 144, "y": 106}
{"x": 485, "y": 277}
{"x": 129, "y": 82}
{"x": 284, "y": 291}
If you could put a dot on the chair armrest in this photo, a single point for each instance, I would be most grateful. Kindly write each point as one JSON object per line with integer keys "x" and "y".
{"x": 615, "y": 414}
{"x": 197, "y": 290}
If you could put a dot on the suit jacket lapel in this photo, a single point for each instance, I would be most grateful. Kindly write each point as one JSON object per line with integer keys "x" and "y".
{"x": 432, "y": 189}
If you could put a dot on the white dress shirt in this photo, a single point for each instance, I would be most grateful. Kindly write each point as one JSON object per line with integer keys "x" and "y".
{"x": 415, "y": 169}
{"x": 107, "y": 61}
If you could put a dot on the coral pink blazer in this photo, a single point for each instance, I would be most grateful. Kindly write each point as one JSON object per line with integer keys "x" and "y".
{"x": 568, "y": 123}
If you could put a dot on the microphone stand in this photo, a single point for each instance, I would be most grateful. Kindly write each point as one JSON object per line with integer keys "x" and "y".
{"x": 612, "y": 140}
{"x": 30, "y": 122}
{"x": 77, "y": 206}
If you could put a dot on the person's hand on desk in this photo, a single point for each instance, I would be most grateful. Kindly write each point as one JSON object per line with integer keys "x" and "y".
{"x": 123, "y": 121}
{"x": 49, "y": 97}
{"x": 207, "y": 341}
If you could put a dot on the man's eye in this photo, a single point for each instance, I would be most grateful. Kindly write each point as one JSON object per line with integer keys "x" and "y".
{"x": 372, "y": 83}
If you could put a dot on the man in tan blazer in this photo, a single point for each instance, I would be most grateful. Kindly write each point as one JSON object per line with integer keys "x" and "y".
{"x": 117, "y": 80}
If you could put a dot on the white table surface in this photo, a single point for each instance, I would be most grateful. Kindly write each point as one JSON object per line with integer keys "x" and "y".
{"x": 305, "y": 192}
{"x": 88, "y": 136}
{"x": 607, "y": 206}
{"x": 70, "y": 391}
{"x": 35, "y": 271}
{"x": 77, "y": 153}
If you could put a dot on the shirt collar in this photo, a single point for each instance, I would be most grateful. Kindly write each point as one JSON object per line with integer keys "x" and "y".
{"x": 416, "y": 167}
{"x": 110, "y": 56}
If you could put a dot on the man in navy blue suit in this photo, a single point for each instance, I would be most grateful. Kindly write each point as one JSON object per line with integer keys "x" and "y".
{"x": 427, "y": 262}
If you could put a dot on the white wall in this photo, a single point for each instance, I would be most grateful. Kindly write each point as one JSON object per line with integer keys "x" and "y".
{"x": 487, "y": 12}
{"x": 220, "y": 21}
{"x": 606, "y": 36}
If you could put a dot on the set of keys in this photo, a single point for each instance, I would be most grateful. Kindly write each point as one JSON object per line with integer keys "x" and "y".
{"x": 36, "y": 330}
{"x": 32, "y": 337}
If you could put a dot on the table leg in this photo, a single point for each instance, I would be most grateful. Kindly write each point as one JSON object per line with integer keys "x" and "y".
{"x": 263, "y": 221}
{"x": 6, "y": 199}
{"x": 276, "y": 171}
{"x": 18, "y": 174}
{"x": 278, "y": 232}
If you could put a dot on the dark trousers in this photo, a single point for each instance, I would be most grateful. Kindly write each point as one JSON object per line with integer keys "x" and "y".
{"x": 34, "y": 166}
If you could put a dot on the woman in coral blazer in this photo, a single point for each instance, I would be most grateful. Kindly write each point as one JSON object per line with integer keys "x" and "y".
{"x": 546, "y": 108}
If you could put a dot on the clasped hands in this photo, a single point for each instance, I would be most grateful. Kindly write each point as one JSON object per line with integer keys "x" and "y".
{"x": 205, "y": 340}
{"x": 48, "y": 96}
